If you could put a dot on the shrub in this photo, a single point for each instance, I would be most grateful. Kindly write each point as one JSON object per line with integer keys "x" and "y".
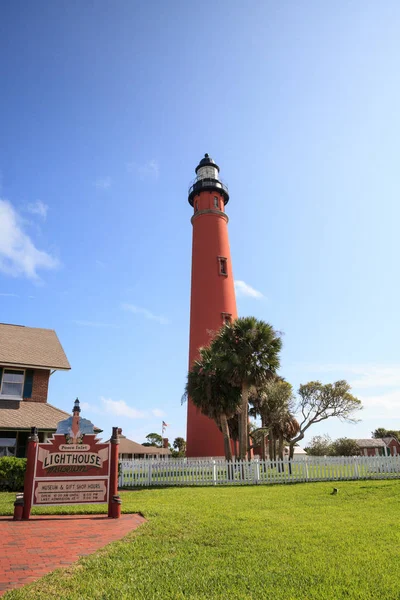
{"x": 12, "y": 473}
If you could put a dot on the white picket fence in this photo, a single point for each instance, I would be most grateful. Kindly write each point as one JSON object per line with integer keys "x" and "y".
{"x": 183, "y": 472}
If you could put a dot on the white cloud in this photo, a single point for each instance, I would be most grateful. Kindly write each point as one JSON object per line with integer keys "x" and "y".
{"x": 157, "y": 412}
{"x": 244, "y": 289}
{"x": 103, "y": 183}
{"x": 377, "y": 385}
{"x": 388, "y": 401}
{"x": 362, "y": 375}
{"x": 93, "y": 324}
{"x": 148, "y": 170}
{"x": 86, "y": 407}
{"x": 120, "y": 408}
{"x": 18, "y": 254}
{"x": 38, "y": 208}
{"x": 146, "y": 313}
{"x": 9, "y": 295}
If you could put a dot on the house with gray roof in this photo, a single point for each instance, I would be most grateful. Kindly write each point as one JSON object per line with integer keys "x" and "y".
{"x": 128, "y": 449}
{"x": 28, "y": 357}
{"x": 372, "y": 447}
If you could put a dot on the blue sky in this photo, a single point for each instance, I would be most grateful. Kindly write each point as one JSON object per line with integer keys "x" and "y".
{"x": 106, "y": 109}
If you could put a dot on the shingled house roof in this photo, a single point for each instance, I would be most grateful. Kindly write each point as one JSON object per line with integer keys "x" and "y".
{"x": 24, "y": 415}
{"x": 16, "y": 415}
{"x": 31, "y": 347}
{"x": 371, "y": 443}
{"x": 127, "y": 446}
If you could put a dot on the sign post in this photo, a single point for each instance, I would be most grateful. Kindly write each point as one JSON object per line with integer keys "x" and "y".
{"x": 114, "y": 501}
{"x": 72, "y": 467}
{"x": 33, "y": 440}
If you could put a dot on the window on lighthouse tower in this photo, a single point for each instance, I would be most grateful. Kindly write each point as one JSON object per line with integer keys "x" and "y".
{"x": 223, "y": 266}
{"x": 216, "y": 202}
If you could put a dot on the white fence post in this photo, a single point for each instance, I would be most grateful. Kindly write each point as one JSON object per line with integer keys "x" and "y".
{"x": 214, "y": 472}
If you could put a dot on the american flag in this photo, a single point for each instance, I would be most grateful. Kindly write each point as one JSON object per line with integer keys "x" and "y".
{"x": 164, "y": 425}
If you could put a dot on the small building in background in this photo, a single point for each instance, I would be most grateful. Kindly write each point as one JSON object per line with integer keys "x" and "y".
{"x": 128, "y": 449}
{"x": 372, "y": 447}
{"x": 28, "y": 357}
{"x": 392, "y": 445}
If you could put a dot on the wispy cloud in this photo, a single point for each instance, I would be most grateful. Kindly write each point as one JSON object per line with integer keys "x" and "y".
{"x": 362, "y": 375}
{"x": 244, "y": 289}
{"x": 38, "y": 208}
{"x": 9, "y": 295}
{"x": 377, "y": 385}
{"x": 18, "y": 254}
{"x": 146, "y": 313}
{"x": 103, "y": 183}
{"x": 93, "y": 324}
{"x": 148, "y": 170}
{"x": 157, "y": 412}
{"x": 387, "y": 401}
{"x": 118, "y": 408}
{"x": 100, "y": 263}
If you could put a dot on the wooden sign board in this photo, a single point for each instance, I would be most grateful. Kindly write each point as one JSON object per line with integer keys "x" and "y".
{"x": 68, "y": 473}
{"x": 72, "y": 467}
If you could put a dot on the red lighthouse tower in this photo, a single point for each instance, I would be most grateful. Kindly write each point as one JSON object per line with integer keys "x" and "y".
{"x": 213, "y": 299}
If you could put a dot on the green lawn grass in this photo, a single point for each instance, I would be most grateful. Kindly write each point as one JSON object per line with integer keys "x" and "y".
{"x": 279, "y": 542}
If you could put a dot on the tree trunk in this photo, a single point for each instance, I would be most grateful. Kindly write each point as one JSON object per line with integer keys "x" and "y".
{"x": 264, "y": 437}
{"x": 280, "y": 452}
{"x": 280, "y": 447}
{"x": 291, "y": 452}
{"x": 271, "y": 444}
{"x": 243, "y": 422}
{"x": 227, "y": 437}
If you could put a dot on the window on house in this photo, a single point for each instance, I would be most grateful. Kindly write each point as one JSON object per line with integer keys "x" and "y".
{"x": 226, "y": 318}
{"x": 216, "y": 202}
{"x": 223, "y": 266}
{"x": 12, "y": 383}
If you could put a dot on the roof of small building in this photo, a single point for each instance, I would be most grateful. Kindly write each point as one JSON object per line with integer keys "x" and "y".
{"x": 24, "y": 415}
{"x": 389, "y": 439}
{"x": 31, "y": 347}
{"x": 127, "y": 446}
{"x": 371, "y": 443}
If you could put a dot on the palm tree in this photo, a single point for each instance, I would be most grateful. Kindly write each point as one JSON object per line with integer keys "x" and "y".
{"x": 212, "y": 394}
{"x": 248, "y": 355}
{"x": 273, "y": 402}
{"x": 285, "y": 430}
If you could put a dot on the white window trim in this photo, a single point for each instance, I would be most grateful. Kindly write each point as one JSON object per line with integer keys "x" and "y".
{"x": 7, "y": 396}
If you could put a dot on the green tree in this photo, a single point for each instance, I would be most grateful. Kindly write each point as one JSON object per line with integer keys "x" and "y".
{"x": 319, "y": 402}
{"x": 381, "y": 432}
{"x": 286, "y": 429}
{"x": 345, "y": 447}
{"x": 210, "y": 391}
{"x": 320, "y": 445}
{"x": 248, "y": 355}
{"x": 153, "y": 439}
{"x": 273, "y": 402}
{"x": 179, "y": 446}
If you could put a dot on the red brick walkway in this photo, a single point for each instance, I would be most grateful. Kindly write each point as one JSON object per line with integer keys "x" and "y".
{"x": 30, "y": 549}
